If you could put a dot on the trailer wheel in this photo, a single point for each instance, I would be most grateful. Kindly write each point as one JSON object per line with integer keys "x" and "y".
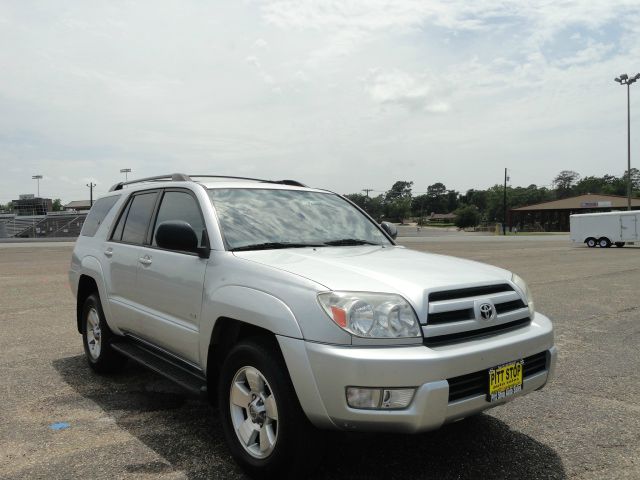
{"x": 604, "y": 242}
{"x": 591, "y": 242}
{"x": 619, "y": 244}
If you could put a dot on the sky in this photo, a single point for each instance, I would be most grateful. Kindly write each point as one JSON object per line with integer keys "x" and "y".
{"x": 338, "y": 94}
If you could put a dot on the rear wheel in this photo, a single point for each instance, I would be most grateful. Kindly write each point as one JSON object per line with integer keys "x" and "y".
{"x": 619, "y": 244}
{"x": 591, "y": 242}
{"x": 96, "y": 338}
{"x": 604, "y": 242}
{"x": 265, "y": 428}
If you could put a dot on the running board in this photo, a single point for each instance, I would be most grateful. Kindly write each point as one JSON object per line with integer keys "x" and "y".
{"x": 159, "y": 363}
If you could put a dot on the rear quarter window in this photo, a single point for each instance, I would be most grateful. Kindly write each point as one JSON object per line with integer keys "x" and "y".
{"x": 98, "y": 212}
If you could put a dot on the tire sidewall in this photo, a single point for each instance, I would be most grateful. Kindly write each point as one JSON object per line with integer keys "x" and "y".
{"x": 272, "y": 368}
{"x": 93, "y": 301}
{"x": 591, "y": 242}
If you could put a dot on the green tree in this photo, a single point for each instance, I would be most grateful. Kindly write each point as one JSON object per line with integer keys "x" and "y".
{"x": 564, "y": 183}
{"x": 437, "y": 195}
{"x": 419, "y": 206}
{"x": 475, "y": 197}
{"x": 400, "y": 189}
{"x": 57, "y": 205}
{"x": 372, "y": 205}
{"x": 467, "y": 216}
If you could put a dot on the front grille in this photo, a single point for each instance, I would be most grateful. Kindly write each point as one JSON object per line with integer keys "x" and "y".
{"x": 509, "y": 306}
{"x": 477, "y": 383}
{"x": 469, "y": 292}
{"x": 467, "y": 335}
{"x": 453, "y": 315}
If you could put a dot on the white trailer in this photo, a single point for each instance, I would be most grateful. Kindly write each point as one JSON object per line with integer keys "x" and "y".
{"x": 606, "y": 229}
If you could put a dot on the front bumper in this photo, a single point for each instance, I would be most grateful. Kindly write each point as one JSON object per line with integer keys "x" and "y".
{"x": 321, "y": 379}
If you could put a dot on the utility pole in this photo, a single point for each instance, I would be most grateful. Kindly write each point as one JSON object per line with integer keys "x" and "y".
{"x": 125, "y": 171}
{"x": 366, "y": 200}
{"x": 91, "y": 185}
{"x": 624, "y": 79}
{"x": 504, "y": 204}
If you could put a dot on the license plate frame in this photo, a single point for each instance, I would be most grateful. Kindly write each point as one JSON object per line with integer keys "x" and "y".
{"x": 505, "y": 380}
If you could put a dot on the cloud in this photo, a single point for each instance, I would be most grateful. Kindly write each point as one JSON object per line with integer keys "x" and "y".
{"x": 305, "y": 89}
{"x": 400, "y": 88}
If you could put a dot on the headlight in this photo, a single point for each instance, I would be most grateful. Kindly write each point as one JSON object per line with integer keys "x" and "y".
{"x": 372, "y": 315}
{"x": 522, "y": 285}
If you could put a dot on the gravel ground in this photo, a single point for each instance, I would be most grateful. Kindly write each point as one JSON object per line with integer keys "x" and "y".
{"x": 585, "y": 424}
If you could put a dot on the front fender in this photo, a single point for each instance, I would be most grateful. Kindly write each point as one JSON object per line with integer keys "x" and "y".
{"x": 247, "y": 305}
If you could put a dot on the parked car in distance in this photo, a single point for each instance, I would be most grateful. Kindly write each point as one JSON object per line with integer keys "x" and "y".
{"x": 297, "y": 313}
{"x": 605, "y": 229}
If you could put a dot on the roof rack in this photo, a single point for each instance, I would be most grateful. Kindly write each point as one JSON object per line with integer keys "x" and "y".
{"x": 181, "y": 177}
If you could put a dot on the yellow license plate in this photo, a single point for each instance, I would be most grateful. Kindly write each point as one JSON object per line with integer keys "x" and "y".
{"x": 505, "y": 380}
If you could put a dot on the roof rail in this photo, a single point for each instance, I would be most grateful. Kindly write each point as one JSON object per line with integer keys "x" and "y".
{"x": 174, "y": 177}
{"x": 181, "y": 177}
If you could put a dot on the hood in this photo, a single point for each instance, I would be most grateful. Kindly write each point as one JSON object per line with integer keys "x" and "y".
{"x": 379, "y": 269}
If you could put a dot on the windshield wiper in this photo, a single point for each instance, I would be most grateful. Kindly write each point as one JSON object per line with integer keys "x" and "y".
{"x": 274, "y": 245}
{"x": 350, "y": 241}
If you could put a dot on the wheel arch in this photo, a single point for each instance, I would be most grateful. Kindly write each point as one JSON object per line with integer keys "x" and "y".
{"x": 90, "y": 280}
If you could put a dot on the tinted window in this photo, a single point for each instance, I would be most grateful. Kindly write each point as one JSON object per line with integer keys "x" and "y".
{"x": 180, "y": 206}
{"x": 135, "y": 227}
{"x": 261, "y": 216}
{"x": 117, "y": 233}
{"x": 98, "y": 211}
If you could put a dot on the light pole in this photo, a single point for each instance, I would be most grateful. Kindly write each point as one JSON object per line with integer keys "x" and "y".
{"x": 37, "y": 178}
{"x": 91, "y": 185}
{"x": 624, "y": 79}
{"x": 125, "y": 171}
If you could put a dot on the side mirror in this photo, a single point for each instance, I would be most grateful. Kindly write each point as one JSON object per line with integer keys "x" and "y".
{"x": 179, "y": 235}
{"x": 390, "y": 228}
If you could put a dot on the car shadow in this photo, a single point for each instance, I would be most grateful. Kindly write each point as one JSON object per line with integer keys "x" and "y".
{"x": 185, "y": 431}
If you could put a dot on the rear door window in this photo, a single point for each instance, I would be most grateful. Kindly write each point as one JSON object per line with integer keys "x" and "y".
{"x": 98, "y": 212}
{"x": 138, "y": 218}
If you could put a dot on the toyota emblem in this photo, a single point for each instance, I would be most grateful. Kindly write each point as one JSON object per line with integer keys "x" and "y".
{"x": 487, "y": 311}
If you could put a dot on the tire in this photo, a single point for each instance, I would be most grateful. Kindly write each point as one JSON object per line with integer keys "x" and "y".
{"x": 97, "y": 337}
{"x": 591, "y": 242}
{"x": 604, "y": 242}
{"x": 265, "y": 408}
{"x": 619, "y": 244}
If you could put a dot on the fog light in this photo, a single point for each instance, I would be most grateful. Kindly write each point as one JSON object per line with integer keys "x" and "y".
{"x": 363, "y": 397}
{"x": 397, "y": 398}
{"x": 379, "y": 398}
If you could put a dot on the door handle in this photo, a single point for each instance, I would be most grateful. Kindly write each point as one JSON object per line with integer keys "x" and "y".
{"x": 146, "y": 260}
{"x": 108, "y": 253}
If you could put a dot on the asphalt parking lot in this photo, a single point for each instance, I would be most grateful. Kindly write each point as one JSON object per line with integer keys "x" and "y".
{"x": 60, "y": 421}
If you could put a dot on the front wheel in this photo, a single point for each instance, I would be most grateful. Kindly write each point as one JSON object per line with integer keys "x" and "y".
{"x": 265, "y": 428}
{"x": 591, "y": 242}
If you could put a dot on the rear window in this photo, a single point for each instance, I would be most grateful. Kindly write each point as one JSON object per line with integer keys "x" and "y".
{"x": 98, "y": 212}
{"x": 138, "y": 218}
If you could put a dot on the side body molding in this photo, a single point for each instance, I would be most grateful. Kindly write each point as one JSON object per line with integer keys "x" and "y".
{"x": 247, "y": 305}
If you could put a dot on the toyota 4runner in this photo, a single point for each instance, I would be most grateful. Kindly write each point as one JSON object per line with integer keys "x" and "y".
{"x": 296, "y": 312}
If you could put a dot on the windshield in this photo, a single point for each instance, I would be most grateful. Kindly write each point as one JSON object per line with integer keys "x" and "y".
{"x": 254, "y": 218}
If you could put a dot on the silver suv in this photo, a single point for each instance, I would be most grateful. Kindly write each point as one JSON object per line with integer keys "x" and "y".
{"x": 296, "y": 312}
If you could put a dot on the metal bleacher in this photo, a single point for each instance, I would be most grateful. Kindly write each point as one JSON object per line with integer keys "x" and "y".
{"x": 52, "y": 225}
